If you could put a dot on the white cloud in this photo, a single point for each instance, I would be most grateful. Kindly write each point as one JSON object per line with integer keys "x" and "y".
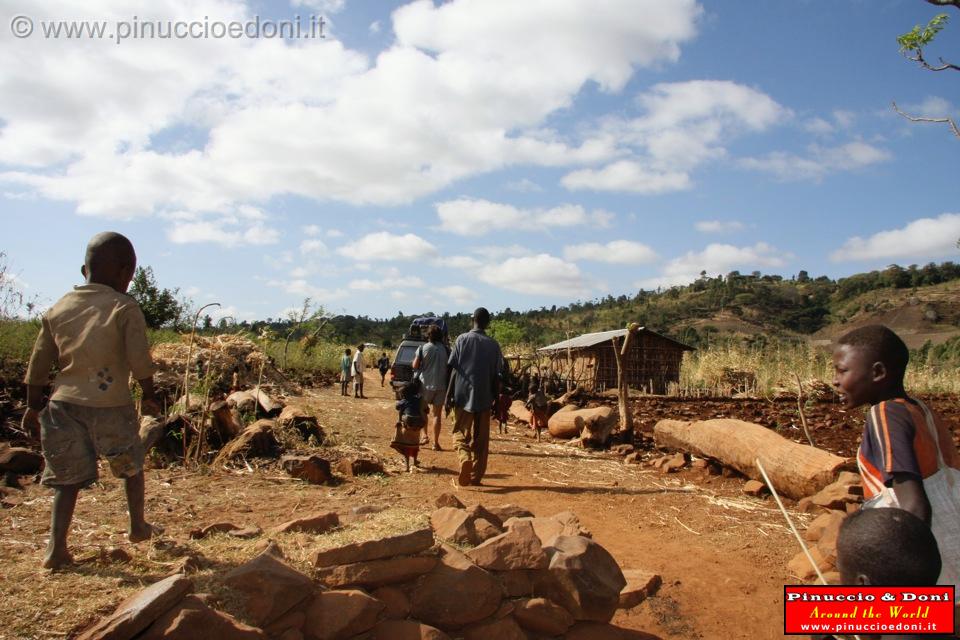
{"x": 614, "y": 252}
{"x": 819, "y": 162}
{"x": 475, "y": 217}
{"x": 398, "y": 282}
{"x": 524, "y": 185}
{"x": 459, "y": 262}
{"x": 718, "y": 226}
{"x": 311, "y": 230}
{"x": 386, "y": 246}
{"x": 374, "y": 27}
{"x": 844, "y": 119}
{"x": 497, "y": 252}
{"x": 314, "y": 247}
{"x": 191, "y": 229}
{"x": 925, "y": 238}
{"x": 626, "y": 175}
{"x": 457, "y": 293}
{"x": 684, "y": 125}
{"x": 716, "y": 259}
{"x": 541, "y": 274}
{"x": 325, "y": 7}
{"x": 302, "y": 288}
{"x": 471, "y": 85}
{"x": 818, "y": 126}
{"x": 334, "y": 233}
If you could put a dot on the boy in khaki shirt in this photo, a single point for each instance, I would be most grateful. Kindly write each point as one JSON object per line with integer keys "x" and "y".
{"x": 97, "y": 336}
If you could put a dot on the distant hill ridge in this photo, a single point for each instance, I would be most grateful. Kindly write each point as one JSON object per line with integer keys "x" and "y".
{"x": 920, "y": 303}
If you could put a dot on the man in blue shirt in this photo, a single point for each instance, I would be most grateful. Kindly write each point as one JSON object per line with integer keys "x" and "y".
{"x": 476, "y": 363}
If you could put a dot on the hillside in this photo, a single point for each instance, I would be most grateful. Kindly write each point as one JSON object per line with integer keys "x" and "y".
{"x": 921, "y": 303}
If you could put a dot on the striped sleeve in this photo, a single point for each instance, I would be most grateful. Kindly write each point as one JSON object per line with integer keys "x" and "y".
{"x": 888, "y": 441}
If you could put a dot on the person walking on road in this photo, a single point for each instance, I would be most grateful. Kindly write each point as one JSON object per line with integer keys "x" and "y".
{"x": 431, "y": 363}
{"x": 475, "y": 365}
{"x": 358, "y": 366}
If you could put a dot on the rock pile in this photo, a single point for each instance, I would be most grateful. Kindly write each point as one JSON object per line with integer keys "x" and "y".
{"x": 511, "y": 575}
{"x": 834, "y": 503}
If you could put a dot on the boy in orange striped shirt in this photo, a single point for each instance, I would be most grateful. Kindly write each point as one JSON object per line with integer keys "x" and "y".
{"x": 904, "y": 444}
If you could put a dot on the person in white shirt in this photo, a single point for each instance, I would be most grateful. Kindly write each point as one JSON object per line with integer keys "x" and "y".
{"x": 358, "y": 366}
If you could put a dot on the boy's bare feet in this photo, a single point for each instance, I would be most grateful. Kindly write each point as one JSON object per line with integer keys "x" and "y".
{"x": 55, "y": 559}
{"x": 144, "y": 532}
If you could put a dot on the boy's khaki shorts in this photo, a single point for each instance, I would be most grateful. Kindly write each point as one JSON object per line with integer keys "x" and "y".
{"x": 73, "y": 436}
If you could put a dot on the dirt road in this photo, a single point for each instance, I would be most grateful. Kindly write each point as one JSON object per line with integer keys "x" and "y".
{"x": 722, "y": 555}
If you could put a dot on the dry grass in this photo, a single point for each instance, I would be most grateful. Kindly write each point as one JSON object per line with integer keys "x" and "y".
{"x": 52, "y": 605}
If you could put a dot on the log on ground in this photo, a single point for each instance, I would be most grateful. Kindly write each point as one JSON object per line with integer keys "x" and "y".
{"x": 796, "y": 470}
{"x": 519, "y": 411}
{"x": 569, "y": 423}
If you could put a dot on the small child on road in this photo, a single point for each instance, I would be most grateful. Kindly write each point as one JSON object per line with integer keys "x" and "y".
{"x": 410, "y": 422}
{"x": 537, "y": 404}
{"x": 96, "y": 334}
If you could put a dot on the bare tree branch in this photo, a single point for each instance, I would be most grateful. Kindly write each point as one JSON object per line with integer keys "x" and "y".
{"x": 953, "y": 125}
{"x": 919, "y": 59}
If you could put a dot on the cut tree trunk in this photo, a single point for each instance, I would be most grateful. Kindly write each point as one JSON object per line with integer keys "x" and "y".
{"x": 225, "y": 423}
{"x": 269, "y": 404}
{"x": 796, "y": 470}
{"x": 519, "y": 411}
{"x": 569, "y": 423}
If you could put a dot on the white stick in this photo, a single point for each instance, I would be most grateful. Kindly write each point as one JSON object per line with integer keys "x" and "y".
{"x": 796, "y": 533}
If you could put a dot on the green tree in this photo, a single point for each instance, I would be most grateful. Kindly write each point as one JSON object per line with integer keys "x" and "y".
{"x": 505, "y": 332}
{"x": 160, "y": 306}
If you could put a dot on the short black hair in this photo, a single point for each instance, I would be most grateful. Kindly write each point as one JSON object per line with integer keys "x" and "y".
{"x": 481, "y": 317}
{"x": 434, "y": 334}
{"x": 109, "y": 251}
{"x": 888, "y": 546}
{"x": 883, "y": 345}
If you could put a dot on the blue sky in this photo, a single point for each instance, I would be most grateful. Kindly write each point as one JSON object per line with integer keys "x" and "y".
{"x": 440, "y": 156}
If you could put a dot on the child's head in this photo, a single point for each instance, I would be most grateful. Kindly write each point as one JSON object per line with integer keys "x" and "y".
{"x": 887, "y": 547}
{"x": 110, "y": 260}
{"x": 411, "y": 389}
{"x": 360, "y": 346}
{"x": 869, "y": 364}
{"x": 346, "y": 352}
{"x": 434, "y": 334}
{"x": 481, "y": 318}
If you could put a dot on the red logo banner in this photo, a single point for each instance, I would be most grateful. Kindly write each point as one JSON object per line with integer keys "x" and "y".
{"x": 847, "y": 610}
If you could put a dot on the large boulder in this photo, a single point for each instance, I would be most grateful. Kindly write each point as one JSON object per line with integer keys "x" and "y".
{"x": 518, "y": 548}
{"x": 407, "y": 630}
{"x": 584, "y": 578}
{"x": 397, "y": 602}
{"x": 543, "y": 616}
{"x": 501, "y": 629}
{"x": 456, "y": 593}
{"x": 507, "y": 511}
{"x": 140, "y": 610}
{"x": 185, "y": 620}
{"x": 333, "y": 615}
{"x": 565, "y": 523}
{"x": 270, "y": 588}
{"x": 464, "y": 527}
{"x": 404, "y": 544}
{"x": 376, "y": 573}
{"x": 601, "y": 631}
{"x": 640, "y": 586}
